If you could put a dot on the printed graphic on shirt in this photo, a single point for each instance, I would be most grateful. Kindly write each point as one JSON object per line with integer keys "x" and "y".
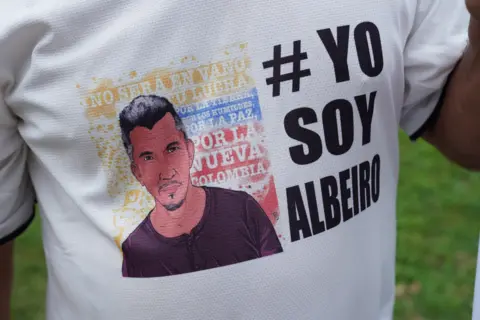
{"x": 315, "y": 129}
{"x": 200, "y": 131}
{"x": 187, "y": 165}
{"x": 190, "y": 227}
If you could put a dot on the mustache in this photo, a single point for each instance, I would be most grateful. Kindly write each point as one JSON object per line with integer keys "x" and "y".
{"x": 169, "y": 183}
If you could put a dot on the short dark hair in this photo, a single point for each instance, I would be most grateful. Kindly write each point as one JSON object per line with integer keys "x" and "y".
{"x": 146, "y": 111}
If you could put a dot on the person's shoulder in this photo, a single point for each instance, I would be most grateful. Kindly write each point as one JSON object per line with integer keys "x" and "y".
{"x": 228, "y": 194}
{"x": 234, "y": 199}
{"x": 138, "y": 235}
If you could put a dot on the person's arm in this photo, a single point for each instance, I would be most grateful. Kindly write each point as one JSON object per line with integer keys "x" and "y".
{"x": 16, "y": 199}
{"x": 436, "y": 84}
{"x": 265, "y": 234}
{"x": 125, "y": 264}
{"x": 16, "y": 190}
{"x": 6, "y": 276}
{"x": 456, "y": 131}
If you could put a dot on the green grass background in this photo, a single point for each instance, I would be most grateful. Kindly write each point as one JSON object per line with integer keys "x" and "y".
{"x": 438, "y": 230}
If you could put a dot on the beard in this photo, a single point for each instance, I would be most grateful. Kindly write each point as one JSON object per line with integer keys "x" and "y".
{"x": 174, "y": 206}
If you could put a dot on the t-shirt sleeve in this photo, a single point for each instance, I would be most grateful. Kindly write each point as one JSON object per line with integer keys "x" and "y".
{"x": 435, "y": 44}
{"x": 16, "y": 191}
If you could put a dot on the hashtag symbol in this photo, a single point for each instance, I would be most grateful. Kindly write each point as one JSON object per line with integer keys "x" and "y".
{"x": 276, "y": 63}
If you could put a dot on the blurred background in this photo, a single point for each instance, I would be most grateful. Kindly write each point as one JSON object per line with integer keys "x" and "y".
{"x": 438, "y": 214}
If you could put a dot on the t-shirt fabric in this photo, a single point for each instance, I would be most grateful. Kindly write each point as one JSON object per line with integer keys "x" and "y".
{"x": 234, "y": 228}
{"x": 111, "y": 108}
{"x": 476, "y": 296}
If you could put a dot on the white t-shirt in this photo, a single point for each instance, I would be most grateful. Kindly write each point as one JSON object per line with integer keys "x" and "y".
{"x": 300, "y": 160}
{"x": 476, "y": 298}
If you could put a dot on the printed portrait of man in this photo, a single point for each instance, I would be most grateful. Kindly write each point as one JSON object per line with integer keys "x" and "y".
{"x": 190, "y": 227}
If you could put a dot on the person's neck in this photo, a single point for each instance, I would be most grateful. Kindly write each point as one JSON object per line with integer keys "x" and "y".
{"x": 182, "y": 220}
